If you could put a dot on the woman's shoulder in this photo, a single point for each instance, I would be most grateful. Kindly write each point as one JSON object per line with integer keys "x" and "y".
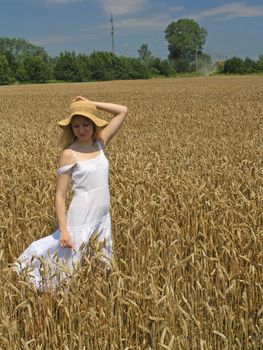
{"x": 66, "y": 157}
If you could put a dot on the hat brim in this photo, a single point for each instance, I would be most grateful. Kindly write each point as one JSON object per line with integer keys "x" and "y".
{"x": 97, "y": 121}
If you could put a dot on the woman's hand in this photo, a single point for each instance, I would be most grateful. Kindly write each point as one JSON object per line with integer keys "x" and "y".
{"x": 65, "y": 240}
{"x": 80, "y": 98}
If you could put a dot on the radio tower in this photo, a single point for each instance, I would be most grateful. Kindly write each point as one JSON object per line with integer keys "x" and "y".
{"x": 112, "y": 35}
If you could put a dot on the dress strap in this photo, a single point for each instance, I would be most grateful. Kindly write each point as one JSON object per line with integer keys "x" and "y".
{"x": 100, "y": 146}
{"x": 65, "y": 168}
{"x": 74, "y": 155}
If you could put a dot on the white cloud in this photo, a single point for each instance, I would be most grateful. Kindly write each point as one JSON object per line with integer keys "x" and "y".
{"x": 154, "y": 22}
{"x": 122, "y": 7}
{"x": 125, "y": 7}
{"x": 229, "y": 11}
{"x": 175, "y": 8}
{"x": 52, "y": 39}
{"x": 116, "y": 7}
{"x": 61, "y": 39}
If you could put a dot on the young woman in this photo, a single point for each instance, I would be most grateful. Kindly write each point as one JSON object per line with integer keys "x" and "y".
{"x": 52, "y": 259}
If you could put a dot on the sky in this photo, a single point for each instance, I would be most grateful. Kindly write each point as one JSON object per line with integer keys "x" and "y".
{"x": 235, "y": 28}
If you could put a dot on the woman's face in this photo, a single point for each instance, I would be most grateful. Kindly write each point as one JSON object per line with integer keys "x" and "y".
{"x": 83, "y": 128}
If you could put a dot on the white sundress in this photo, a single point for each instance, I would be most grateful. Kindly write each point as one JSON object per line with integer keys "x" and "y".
{"x": 88, "y": 213}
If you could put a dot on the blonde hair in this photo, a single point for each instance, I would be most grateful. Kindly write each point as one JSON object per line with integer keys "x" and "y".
{"x": 67, "y": 136}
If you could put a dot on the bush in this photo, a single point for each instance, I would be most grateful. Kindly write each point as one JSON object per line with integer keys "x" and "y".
{"x": 133, "y": 68}
{"x": 234, "y": 65}
{"x": 67, "y": 67}
{"x": 33, "y": 69}
{"x": 260, "y": 63}
{"x": 183, "y": 65}
{"x": 107, "y": 66}
{"x": 83, "y": 67}
{"x": 250, "y": 66}
{"x": 5, "y": 72}
{"x": 104, "y": 66}
{"x": 162, "y": 67}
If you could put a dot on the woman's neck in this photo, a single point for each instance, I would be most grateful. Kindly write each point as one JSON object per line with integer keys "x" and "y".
{"x": 86, "y": 145}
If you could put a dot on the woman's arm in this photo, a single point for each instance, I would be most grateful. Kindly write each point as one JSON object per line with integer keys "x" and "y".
{"x": 119, "y": 114}
{"x": 111, "y": 107}
{"x": 61, "y": 192}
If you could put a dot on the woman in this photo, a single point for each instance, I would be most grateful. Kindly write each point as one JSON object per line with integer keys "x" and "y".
{"x": 52, "y": 259}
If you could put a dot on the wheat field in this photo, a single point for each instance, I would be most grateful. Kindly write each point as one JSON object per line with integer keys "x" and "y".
{"x": 186, "y": 182}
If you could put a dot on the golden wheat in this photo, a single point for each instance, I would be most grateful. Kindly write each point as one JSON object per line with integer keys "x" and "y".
{"x": 186, "y": 203}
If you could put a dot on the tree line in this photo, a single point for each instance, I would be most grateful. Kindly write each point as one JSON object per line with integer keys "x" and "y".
{"x": 237, "y": 65}
{"x": 21, "y": 61}
{"x": 35, "y": 66}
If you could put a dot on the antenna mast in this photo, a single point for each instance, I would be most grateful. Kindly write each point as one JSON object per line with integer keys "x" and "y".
{"x": 112, "y": 34}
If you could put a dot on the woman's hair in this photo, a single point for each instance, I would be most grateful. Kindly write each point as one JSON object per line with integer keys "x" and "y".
{"x": 67, "y": 136}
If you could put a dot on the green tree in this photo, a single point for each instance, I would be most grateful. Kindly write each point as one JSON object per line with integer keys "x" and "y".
{"x": 144, "y": 53}
{"x": 185, "y": 40}
{"x": 21, "y": 74}
{"x": 132, "y": 68}
{"x": 33, "y": 69}
{"x": 157, "y": 66}
{"x": 104, "y": 65}
{"x": 5, "y": 72}
{"x": 250, "y": 66}
{"x": 234, "y": 65}
{"x": 83, "y": 66}
{"x": 19, "y": 46}
{"x": 67, "y": 67}
{"x": 260, "y": 63}
{"x": 15, "y": 50}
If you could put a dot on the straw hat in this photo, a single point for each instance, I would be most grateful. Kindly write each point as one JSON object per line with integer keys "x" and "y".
{"x": 86, "y": 109}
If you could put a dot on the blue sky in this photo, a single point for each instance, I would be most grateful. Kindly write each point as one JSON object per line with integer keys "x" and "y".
{"x": 234, "y": 27}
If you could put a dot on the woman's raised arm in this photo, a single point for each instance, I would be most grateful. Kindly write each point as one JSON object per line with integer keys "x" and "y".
{"x": 119, "y": 114}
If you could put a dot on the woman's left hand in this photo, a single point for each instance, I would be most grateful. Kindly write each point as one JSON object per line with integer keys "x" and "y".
{"x": 79, "y": 98}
